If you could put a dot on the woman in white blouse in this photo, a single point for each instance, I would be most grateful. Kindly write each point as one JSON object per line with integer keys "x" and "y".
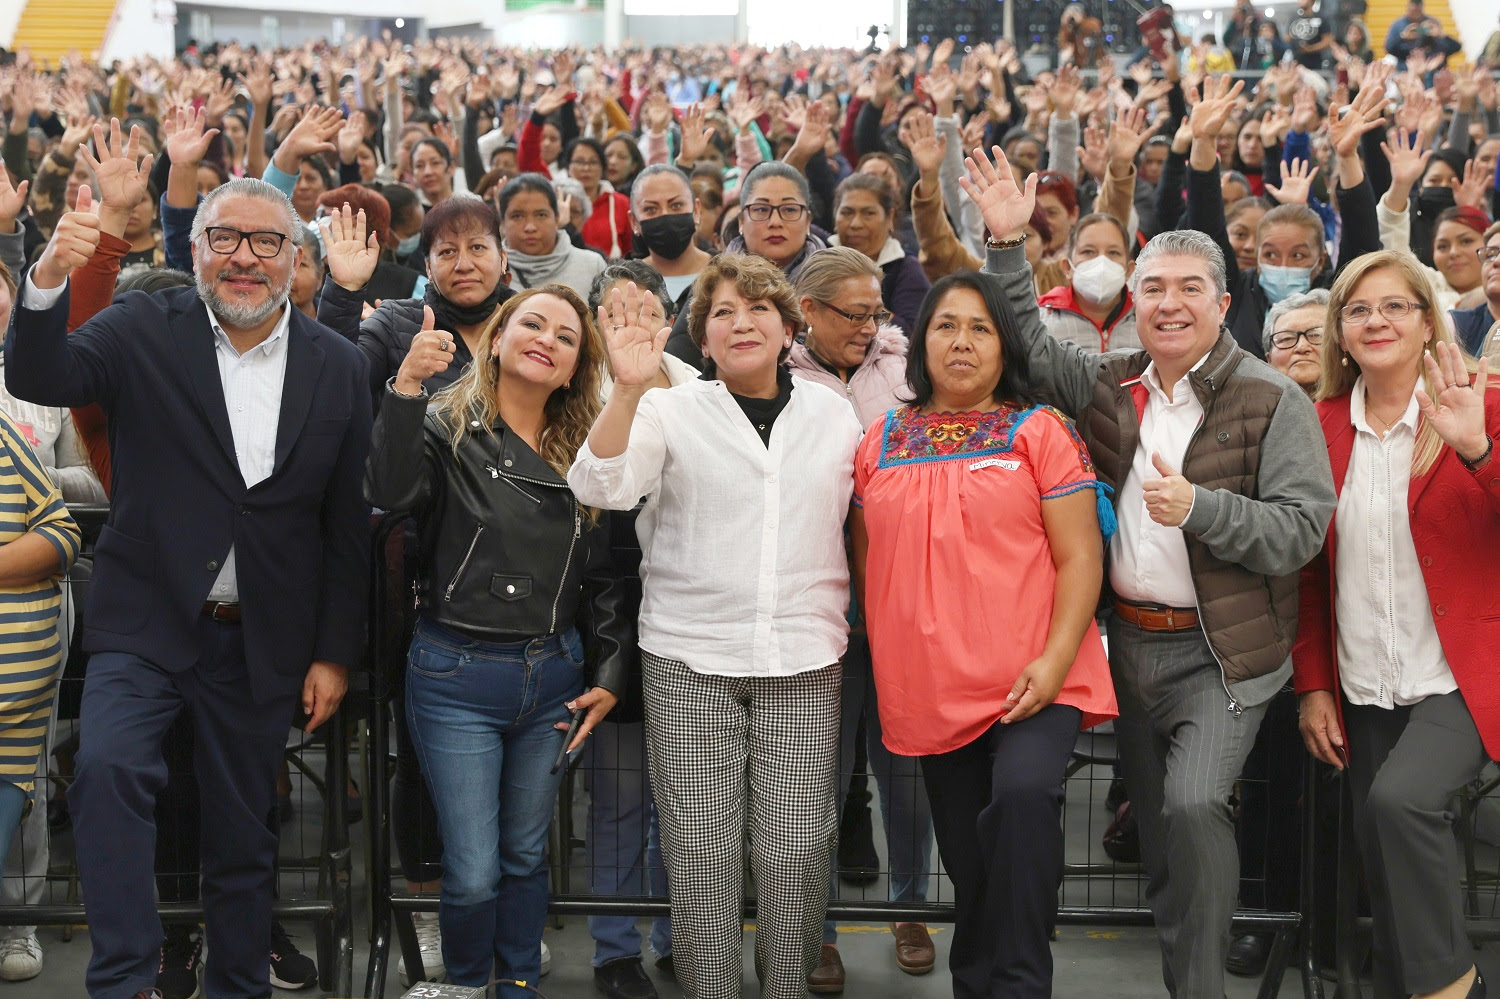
{"x": 1399, "y": 620}
{"x": 747, "y": 477}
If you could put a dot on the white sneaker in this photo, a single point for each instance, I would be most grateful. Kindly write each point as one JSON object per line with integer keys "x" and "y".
{"x": 20, "y": 959}
{"x": 430, "y": 941}
{"x": 546, "y": 960}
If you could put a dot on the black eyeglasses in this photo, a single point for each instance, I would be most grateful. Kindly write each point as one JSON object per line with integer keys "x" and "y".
{"x": 762, "y": 212}
{"x": 1287, "y": 339}
{"x": 1395, "y": 309}
{"x": 1489, "y": 254}
{"x": 859, "y": 318}
{"x": 223, "y": 239}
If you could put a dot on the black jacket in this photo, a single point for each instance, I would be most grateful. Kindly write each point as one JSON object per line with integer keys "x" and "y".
{"x": 506, "y": 551}
{"x": 385, "y": 338}
{"x": 300, "y": 537}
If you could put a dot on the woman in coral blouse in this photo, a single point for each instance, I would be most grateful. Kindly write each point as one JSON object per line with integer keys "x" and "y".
{"x": 978, "y": 550}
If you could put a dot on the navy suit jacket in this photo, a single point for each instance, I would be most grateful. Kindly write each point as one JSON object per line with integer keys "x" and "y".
{"x": 178, "y": 500}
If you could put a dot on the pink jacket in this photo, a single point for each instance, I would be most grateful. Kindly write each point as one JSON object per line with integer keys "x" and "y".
{"x": 876, "y": 387}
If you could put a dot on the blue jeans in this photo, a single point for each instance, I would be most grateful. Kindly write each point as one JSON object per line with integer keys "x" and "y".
{"x": 624, "y": 843}
{"x": 903, "y": 797}
{"x": 482, "y": 717}
{"x": 12, "y": 804}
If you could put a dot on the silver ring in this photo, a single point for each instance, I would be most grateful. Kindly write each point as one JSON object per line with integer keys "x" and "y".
{"x": 618, "y": 326}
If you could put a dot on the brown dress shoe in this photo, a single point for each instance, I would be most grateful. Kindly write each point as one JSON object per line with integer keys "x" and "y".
{"x": 914, "y": 951}
{"x": 828, "y": 976}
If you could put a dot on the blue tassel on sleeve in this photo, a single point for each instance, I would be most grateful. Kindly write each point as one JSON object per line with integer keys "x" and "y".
{"x": 1105, "y": 507}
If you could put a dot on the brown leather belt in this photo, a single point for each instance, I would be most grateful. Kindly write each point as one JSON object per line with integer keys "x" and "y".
{"x": 228, "y": 613}
{"x": 1149, "y": 617}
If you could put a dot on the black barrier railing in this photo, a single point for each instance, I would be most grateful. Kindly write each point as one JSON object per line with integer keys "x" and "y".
{"x": 316, "y": 889}
{"x": 1094, "y": 892}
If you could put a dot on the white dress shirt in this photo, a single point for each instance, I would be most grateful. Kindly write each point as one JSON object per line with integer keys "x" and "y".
{"x": 1148, "y": 562}
{"x": 1388, "y": 646}
{"x": 252, "y": 384}
{"x": 743, "y": 569}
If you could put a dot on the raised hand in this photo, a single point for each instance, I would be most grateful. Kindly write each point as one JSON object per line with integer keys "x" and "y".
{"x": 123, "y": 175}
{"x": 922, "y": 140}
{"x": 1296, "y": 183}
{"x": 260, "y": 81}
{"x": 431, "y": 351}
{"x": 695, "y": 135}
{"x": 72, "y": 245}
{"x": 220, "y": 100}
{"x": 635, "y": 346}
{"x": 12, "y": 201}
{"x": 312, "y": 135}
{"x": 1005, "y": 207}
{"x": 553, "y": 100}
{"x": 1457, "y": 412}
{"x": 1364, "y": 116}
{"x": 1275, "y": 126}
{"x": 1093, "y": 155}
{"x": 1065, "y": 90}
{"x": 1474, "y": 187}
{"x": 1214, "y": 107}
{"x": 813, "y": 135}
{"x": 1408, "y": 161}
{"x": 942, "y": 87}
{"x": 187, "y": 140}
{"x": 1304, "y": 111}
{"x": 351, "y": 137}
{"x": 351, "y": 251}
{"x": 1127, "y": 134}
{"x": 742, "y": 110}
{"x": 76, "y": 133}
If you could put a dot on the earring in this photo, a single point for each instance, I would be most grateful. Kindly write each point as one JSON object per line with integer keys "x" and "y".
{"x": 786, "y": 343}
{"x": 1344, "y": 360}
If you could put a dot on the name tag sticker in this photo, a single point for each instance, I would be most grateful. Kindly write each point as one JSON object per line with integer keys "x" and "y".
{"x": 1006, "y": 463}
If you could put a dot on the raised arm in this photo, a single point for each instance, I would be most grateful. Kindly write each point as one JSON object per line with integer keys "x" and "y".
{"x": 1064, "y": 372}
{"x": 1205, "y": 199}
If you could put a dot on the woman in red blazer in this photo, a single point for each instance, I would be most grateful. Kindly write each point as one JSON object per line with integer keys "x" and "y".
{"x": 1411, "y": 678}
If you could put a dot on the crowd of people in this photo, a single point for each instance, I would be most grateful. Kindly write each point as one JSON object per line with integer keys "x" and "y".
{"x": 749, "y": 406}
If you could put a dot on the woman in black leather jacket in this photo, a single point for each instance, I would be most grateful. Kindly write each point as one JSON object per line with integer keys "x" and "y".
{"x": 515, "y": 583}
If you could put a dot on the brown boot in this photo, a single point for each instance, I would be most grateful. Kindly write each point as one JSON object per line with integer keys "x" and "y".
{"x": 828, "y": 976}
{"x": 914, "y": 951}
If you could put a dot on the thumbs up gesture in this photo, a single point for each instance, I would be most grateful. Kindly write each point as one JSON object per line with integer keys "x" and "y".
{"x": 73, "y": 242}
{"x": 1169, "y": 499}
{"x": 431, "y": 351}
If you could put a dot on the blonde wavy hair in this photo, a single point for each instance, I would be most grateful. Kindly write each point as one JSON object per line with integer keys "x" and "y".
{"x": 570, "y": 410}
{"x": 1340, "y": 370}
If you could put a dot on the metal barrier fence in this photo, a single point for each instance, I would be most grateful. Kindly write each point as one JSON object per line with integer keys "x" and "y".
{"x": 41, "y": 886}
{"x": 1275, "y": 839}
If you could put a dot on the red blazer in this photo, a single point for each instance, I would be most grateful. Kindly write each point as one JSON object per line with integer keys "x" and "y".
{"x": 1455, "y": 522}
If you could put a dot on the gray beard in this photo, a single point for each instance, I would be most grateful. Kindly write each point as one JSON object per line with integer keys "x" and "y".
{"x": 243, "y": 316}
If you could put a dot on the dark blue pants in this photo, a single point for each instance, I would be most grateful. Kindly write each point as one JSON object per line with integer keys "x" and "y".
{"x": 128, "y": 704}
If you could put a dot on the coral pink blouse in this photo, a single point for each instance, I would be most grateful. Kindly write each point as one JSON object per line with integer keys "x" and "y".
{"x": 959, "y": 578}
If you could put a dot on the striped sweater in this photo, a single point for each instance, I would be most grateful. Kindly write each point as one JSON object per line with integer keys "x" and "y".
{"x": 31, "y": 650}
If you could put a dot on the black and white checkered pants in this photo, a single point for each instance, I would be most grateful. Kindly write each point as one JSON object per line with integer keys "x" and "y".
{"x": 724, "y": 749}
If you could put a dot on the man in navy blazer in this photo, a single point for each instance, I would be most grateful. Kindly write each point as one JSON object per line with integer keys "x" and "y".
{"x": 230, "y": 580}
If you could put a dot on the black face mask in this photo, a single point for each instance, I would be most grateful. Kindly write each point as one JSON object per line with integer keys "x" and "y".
{"x": 668, "y": 236}
{"x": 1431, "y": 200}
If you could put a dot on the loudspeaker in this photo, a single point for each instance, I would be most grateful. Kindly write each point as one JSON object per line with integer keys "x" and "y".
{"x": 967, "y": 22}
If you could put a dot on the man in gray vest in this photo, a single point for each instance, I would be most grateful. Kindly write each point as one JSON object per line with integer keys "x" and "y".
{"x": 1223, "y": 492}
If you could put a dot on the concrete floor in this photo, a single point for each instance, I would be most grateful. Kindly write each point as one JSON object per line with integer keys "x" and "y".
{"x": 1091, "y": 961}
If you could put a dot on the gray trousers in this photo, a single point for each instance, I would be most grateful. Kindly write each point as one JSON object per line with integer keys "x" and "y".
{"x": 1405, "y": 766}
{"x": 1181, "y": 750}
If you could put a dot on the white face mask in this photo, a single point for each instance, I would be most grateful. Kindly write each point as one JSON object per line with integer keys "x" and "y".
{"x": 1098, "y": 281}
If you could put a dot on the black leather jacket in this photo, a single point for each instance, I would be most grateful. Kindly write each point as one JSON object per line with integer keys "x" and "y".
{"x": 506, "y": 551}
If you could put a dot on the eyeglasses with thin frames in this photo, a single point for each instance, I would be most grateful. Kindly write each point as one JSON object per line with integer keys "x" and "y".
{"x": 762, "y": 212}
{"x": 225, "y": 240}
{"x": 1393, "y": 310}
{"x": 1287, "y": 339}
{"x": 859, "y": 318}
{"x": 1489, "y": 254}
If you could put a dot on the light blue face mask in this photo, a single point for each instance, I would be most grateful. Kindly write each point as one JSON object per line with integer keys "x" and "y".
{"x": 1283, "y": 282}
{"x": 408, "y": 246}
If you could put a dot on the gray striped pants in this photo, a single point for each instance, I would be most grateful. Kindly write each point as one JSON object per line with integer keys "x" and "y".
{"x": 1181, "y": 750}
{"x": 729, "y": 754}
